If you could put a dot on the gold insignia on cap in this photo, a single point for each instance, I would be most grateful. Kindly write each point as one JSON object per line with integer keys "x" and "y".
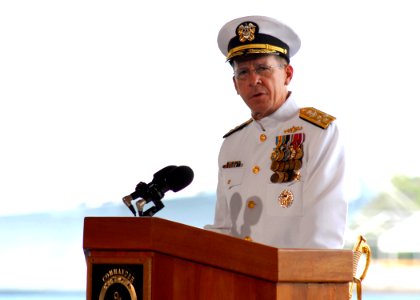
{"x": 286, "y": 198}
{"x": 246, "y": 32}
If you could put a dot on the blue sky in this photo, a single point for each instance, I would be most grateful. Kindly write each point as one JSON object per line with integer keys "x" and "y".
{"x": 96, "y": 96}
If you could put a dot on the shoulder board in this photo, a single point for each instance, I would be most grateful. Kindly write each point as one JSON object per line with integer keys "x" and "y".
{"x": 237, "y": 128}
{"x": 316, "y": 117}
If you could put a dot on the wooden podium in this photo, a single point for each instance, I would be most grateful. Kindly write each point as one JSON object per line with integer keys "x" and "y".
{"x": 155, "y": 259}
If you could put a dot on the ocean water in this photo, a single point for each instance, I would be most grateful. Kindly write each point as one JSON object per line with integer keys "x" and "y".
{"x": 42, "y": 295}
{"x": 82, "y": 296}
{"x": 389, "y": 296}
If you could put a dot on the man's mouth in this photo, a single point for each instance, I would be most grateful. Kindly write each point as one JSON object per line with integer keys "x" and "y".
{"x": 256, "y": 95}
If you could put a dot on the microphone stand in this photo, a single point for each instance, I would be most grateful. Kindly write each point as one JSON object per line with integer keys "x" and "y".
{"x": 151, "y": 211}
{"x": 154, "y": 194}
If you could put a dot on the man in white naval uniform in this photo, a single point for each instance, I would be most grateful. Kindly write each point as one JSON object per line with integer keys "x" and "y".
{"x": 281, "y": 172}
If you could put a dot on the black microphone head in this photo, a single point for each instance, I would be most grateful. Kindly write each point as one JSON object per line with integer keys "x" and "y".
{"x": 179, "y": 178}
{"x": 160, "y": 176}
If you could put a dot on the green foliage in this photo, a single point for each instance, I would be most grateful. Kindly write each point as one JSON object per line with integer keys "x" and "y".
{"x": 409, "y": 186}
{"x": 382, "y": 202}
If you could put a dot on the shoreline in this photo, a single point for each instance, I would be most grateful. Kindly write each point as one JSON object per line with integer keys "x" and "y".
{"x": 392, "y": 275}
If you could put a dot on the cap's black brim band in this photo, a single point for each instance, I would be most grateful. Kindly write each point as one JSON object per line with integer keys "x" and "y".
{"x": 261, "y": 42}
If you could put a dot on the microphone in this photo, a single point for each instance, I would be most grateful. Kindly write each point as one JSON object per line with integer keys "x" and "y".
{"x": 169, "y": 178}
{"x": 179, "y": 178}
{"x": 141, "y": 188}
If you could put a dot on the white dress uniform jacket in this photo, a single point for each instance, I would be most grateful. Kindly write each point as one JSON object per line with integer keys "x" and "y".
{"x": 248, "y": 203}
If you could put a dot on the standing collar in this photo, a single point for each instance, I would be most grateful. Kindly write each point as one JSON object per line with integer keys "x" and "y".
{"x": 287, "y": 110}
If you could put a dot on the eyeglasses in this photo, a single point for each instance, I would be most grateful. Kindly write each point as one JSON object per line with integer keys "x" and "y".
{"x": 262, "y": 70}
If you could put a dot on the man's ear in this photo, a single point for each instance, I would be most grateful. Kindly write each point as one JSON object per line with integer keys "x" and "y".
{"x": 289, "y": 74}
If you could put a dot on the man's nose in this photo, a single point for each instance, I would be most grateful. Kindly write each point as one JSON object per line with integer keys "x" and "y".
{"x": 254, "y": 78}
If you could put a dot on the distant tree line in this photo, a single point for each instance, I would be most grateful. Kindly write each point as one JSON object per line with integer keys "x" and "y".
{"x": 410, "y": 186}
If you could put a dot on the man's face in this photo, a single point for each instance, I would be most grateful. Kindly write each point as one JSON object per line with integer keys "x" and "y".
{"x": 262, "y": 83}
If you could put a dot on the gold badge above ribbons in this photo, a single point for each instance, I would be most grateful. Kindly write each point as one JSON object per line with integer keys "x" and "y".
{"x": 286, "y": 198}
